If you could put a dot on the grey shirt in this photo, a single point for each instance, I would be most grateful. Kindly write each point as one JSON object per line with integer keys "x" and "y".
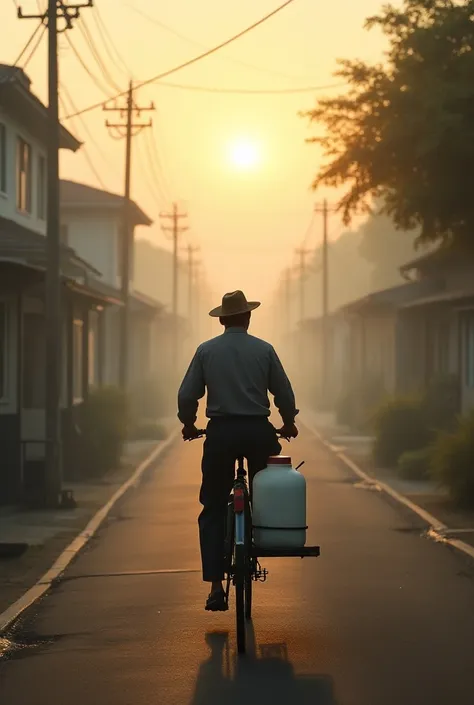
{"x": 238, "y": 370}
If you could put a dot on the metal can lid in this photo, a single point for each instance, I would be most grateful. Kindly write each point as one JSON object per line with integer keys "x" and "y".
{"x": 279, "y": 460}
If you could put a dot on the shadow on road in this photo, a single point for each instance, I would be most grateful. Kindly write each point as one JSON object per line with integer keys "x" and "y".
{"x": 264, "y": 676}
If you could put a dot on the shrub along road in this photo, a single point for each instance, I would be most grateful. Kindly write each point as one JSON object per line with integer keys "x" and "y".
{"x": 385, "y": 616}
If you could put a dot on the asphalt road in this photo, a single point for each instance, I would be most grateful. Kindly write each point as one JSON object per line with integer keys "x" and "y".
{"x": 384, "y": 617}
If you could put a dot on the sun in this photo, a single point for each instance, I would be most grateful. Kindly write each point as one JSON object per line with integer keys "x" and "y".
{"x": 244, "y": 154}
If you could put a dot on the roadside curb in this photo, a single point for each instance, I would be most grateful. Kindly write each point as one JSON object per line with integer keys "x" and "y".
{"x": 437, "y": 529}
{"x": 12, "y": 613}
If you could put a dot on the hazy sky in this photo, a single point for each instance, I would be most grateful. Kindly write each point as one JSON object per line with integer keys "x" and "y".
{"x": 248, "y": 222}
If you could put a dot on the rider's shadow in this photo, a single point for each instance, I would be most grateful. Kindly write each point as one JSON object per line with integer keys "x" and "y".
{"x": 264, "y": 676}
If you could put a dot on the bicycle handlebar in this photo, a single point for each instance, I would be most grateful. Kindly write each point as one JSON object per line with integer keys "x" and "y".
{"x": 202, "y": 432}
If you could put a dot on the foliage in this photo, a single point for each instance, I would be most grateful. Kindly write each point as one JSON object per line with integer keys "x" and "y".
{"x": 382, "y": 246}
{"x": 104, "y": 420}
{"x": 415, "y": 464}
{"x": 403, "y": 132}
{"x": 452, "y": 461}
{"x": 400, "y": 426}
{"x": 441, "y": 402}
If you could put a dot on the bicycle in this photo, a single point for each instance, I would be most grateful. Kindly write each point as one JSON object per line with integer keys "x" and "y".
{"x": 242, "y": 566}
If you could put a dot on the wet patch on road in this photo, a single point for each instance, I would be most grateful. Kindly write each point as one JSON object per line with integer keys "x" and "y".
{"x": 24, "y": 644}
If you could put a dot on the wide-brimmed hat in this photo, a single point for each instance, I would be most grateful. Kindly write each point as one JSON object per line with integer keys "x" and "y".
{"x": 233, "y": 304}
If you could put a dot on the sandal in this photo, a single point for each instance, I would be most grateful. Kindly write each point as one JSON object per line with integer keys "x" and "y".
{"x": 216, "y": 602}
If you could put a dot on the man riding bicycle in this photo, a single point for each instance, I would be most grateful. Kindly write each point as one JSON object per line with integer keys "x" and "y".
{"x": 237, "y": 370}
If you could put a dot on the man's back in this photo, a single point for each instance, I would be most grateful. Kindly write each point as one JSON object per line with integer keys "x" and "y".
{"x": 238, "y": 370}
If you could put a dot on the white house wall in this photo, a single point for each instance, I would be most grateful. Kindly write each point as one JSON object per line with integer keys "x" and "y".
{"x": 94, "y": 238}
{"x": 8, "y": 207}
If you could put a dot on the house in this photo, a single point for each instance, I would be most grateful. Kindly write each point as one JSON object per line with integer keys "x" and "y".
{"x": 23, "y": 129}
{"x": 402, "y": 338}
{"x": 439, "y": 327}
{"x": 91, "y": 223}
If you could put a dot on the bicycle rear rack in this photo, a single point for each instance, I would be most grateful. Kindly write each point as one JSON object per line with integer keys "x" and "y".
{"x": 305, "y": 552}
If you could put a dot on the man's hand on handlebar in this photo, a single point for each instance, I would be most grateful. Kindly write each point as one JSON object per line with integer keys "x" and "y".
{"x": 190, "y": 433}
{"x": 288, "y": 431}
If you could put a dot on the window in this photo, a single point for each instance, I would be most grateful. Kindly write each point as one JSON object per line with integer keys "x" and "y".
{"x": 41, "y": 188}
{"x": 23, "y": 176}
{"x": 469, "y": 349}
{"x": 77, "y": 389}
{"x": 3, "y": 350}
{"x": 3, "y": 158}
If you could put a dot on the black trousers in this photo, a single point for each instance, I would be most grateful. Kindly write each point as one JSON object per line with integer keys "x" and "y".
{"x": 253, "y": 438}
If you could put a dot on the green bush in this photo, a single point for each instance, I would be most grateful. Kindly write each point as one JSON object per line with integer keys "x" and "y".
{"x": 104, "y": 421}
{"x": 399, "y": 426}
{"x": 453, "y": 461}
{"x": 148, "y": 431}
{"x": 441, "y": 402}
{"x": 415, "y": 464}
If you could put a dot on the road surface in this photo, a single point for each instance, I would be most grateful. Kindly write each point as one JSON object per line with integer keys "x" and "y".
{"x": 384, "y": 617}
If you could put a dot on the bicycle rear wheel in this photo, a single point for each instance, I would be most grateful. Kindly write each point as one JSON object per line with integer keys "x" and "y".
{"x": 240, "y": 597}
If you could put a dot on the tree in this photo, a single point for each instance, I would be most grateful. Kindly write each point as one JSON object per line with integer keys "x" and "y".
{"x": 404, "y": 130}
{"x": 386, "y": 249}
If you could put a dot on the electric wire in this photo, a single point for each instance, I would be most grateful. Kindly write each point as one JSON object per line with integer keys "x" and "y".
{"x": 194, "y": 60}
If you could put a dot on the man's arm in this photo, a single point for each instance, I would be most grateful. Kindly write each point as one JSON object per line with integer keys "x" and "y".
{"x": 191, "y": 390}
{"x": 280, "y": 386}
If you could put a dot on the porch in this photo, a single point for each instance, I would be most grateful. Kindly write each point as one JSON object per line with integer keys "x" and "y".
{"x": 23, "y": 363}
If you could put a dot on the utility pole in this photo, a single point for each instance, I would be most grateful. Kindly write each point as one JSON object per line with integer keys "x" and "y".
{"x": 127, "y": 128}
{"x": 176, "y": 230}
{"x": 302, "y": 253}
{"x": 287, "y": 299}
{"x": 197, "y": 299}
{"x": 53, "y": 301}
{"x": 192, "y": 263}
{"x": 324, "y": 210}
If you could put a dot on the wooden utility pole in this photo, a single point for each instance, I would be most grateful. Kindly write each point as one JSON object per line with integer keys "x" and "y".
{"x": 66, "y": 14}
{"x": 192, "y": 263}
{"x": 176, "y": 230}
{"x": 287, "y": 299}
{"x": 302, "y": 253}
{"x": 324, "y": 210}
{"x": 128, "y": 129}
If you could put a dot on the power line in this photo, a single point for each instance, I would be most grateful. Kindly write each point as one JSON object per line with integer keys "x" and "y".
{"x": 166, "y": 27}
{"x": 98, "y": 83}
{"x": 35, "y": 48}
{"x": 85, "y": 152}
{"x": 151, "y": 179}
{"x": 245, "y": 91}
{"x": 190, "y": 62}
{"x": 156, "y": 164}
{"x": 29, "y": 42}
{"x": 84, "y": 29}
{"x": 108, "y": 42}
{"x": 92, "y": 139}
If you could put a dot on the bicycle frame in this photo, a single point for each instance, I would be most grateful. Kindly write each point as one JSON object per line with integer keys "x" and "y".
{"x": 242, "y": 565}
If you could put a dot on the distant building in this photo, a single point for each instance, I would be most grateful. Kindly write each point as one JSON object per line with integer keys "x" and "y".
{"x": 405, "y": 337}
